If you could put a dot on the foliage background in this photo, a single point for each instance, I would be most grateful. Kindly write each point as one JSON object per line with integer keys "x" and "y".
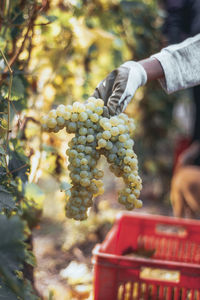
{"x": 59, "y": 50}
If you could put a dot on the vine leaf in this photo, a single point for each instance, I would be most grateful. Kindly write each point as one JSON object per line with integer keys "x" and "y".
{"x": 12, "y": 256}
{"x": 18, "y": 89}
{"x": 5, "y": 293}
{"x": 2, "y": 151}
{"x": 6, "y": 199}
{"x": 12, "y": 252}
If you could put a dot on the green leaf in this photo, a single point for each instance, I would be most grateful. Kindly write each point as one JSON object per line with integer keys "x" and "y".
{"x": 50, "y": 18}
{"x": 6, "y": 199}
{"x": 12, "y": 252}
{"x": 2, "y": 151}
{"x": 5, "y": 293}
{"x": 18, "y": 89}
{"x": 33, "y": 192}
{"x": 12, "y": 257}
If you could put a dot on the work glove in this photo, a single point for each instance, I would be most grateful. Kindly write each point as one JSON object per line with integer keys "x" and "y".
{"x": 118, "y": 88}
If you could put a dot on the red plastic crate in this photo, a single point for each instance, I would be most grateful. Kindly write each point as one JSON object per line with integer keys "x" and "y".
{"x": 176, "y": 246}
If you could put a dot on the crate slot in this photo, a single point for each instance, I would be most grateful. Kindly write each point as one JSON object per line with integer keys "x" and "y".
{"x": 173, "y": 230}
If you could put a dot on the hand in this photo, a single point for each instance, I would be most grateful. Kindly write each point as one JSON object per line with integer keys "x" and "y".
{"x": 118, "y": 88}
{"x": 185, "y": 192}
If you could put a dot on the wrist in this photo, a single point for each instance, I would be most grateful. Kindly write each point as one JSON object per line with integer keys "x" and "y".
{"x": 153, "y": 68}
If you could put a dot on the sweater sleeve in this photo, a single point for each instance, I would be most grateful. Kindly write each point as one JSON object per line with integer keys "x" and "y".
{"x": 181, "y": 65}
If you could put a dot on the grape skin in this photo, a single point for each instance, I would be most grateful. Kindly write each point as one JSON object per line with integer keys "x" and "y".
{"x": 95, "y": 135}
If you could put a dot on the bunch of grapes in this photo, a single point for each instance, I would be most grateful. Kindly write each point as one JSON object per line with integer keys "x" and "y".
{"x": 95, "y": 135}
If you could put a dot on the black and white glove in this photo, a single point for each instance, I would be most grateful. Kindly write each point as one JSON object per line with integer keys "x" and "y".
{"x": 119, "y": 87}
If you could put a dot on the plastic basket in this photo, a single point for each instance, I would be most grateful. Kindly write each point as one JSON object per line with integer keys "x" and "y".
{"x": 176, "y": 247}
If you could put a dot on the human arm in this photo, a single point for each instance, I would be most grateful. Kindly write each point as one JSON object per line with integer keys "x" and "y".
{"x": 176, "y": 67}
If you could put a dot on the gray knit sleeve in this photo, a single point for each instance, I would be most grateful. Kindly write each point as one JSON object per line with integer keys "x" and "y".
{"x": 181, "y": 65}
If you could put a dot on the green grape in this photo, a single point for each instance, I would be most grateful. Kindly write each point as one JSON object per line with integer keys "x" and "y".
{"x": 114, "y": 131}
{"x": 99, "y": 136}
{"x": 102, "y": 143}
{"x": 98, "y": 110}
{"x": 95, "y": 135}
{"x": 107, "y": 126}
{"x": 81, "y": 155}
{"x": 85, "y": 167}
{"x": 109, "y": 145}
{"x": 122, "y": 138}
{"x": 74, "y": 117}
{"x": 131, "y": 198}
{"x": 85, "y": 182}
{"x": 90, "y": 138}
{"x": 80, "y": 148}
{"x": 127, "y": 169}
{"x": 60, "y": 121}
{"x": 88, "y": 123}
{"x": 76, "y": 162}
{"x": 83, "y": 131}
{"x": 67, "y": 115}
{"x": 88, "y": 112}
{"x": 99, "y": 102}
{"x": 129, "y": 144}
{"x": 121, "y": 152}
{"x": 69, "y": 108}
{"x": 114, "y": 121}
{"x": 90, "y": 131}
{"x": 52, "y": 114}
{"x": 111, "y": 158}
{"x": 82, "y": 140}
{"x": 84, "y": 174}
{"x": 44, "y": 119}
{"x": 60, "y": 110}
{"x": 51, "y": 123}
{"x": 72, "y": 153}
{"x": 84, "y": 161}
{"x": 127, "y": 160}
{"x": 88, "y": 150}
{"x": 72, "y": 127}
{"x": 94, "y": 117}
{"x": 129, "y": 152}
{"x": 90, "y": 106}
{"x": 121, "y": 128}
{"x": 106, "y": 135}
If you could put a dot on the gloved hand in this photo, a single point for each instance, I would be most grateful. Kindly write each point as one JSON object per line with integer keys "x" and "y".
{"x": 118, "y": 88}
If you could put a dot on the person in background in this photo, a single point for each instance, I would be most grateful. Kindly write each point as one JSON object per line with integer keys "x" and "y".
{"x": 176, "y": 67}
{"x": 182, "y": 21}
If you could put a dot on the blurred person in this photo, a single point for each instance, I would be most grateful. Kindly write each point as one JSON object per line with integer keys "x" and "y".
{"x": 176, "y": 67}
{"x": 183, "y": 20}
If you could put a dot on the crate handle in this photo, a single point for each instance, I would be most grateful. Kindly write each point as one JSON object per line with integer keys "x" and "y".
{"x": 173, "y": 230}
{"x": 164, "y": 275}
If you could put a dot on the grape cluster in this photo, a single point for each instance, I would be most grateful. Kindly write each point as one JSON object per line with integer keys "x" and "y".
{"x": 95, "y": 135}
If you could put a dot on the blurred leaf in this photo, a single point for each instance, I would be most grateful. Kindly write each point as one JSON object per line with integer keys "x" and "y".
{"x": 6, "y": 199}
{"x": 11, "y": 250}
{"x": 2, "y": 151}
{"x": 18, "y": 89}
{"x": 32, "y": 191}
{"x": 50, "y": 18}
{"x": 6, "y": 293}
